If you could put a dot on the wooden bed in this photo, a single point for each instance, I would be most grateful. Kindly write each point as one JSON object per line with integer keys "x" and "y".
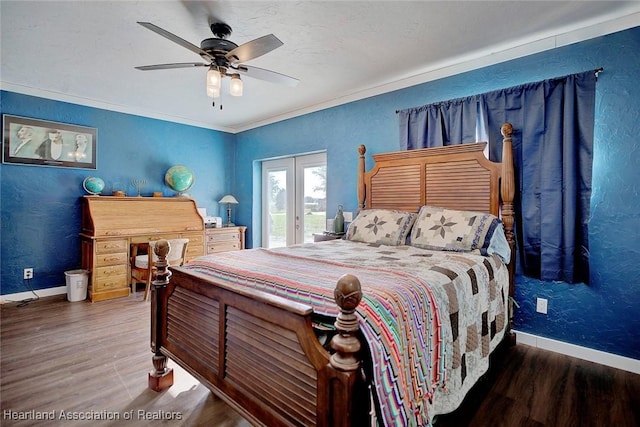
{"x": 261, "y": 353}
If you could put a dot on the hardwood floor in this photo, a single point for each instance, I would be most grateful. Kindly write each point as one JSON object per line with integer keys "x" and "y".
{"x": 538, "y": 388}
{"x": 85, "y": 358}
{"x": 92, "y": 360}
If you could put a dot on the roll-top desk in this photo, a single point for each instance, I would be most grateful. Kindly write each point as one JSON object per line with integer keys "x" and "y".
{"x": 110, "y": 225}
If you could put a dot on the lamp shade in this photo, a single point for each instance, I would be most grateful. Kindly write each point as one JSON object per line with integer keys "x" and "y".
{"x": 213, "y": 92}
{"x": 214, "y": 78}
{"x": 235, "y": 87}
{"x": 228, "y": 199}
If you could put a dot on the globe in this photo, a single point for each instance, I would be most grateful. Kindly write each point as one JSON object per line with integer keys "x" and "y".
{"x": 93, "y": 185}
{"x": 179, "y": 178}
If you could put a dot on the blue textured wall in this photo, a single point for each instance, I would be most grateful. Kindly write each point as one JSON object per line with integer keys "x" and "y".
{"x": 604, "y": 315}
{"x": 40, "y": 206}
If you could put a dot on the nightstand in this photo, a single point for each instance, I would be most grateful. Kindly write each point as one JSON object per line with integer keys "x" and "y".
{"x": 326, "y": 235}
{"x": 224, "y": 239}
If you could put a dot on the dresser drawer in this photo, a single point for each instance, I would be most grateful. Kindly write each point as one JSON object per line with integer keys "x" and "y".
{"x": 110, "y": 271}
{"x": 222, "y": 247}
{"x": 222, "y": 237}
{"x": 110, "y": 246}
{"x": 111, "y": 259}
{"x": 114, "y": 282}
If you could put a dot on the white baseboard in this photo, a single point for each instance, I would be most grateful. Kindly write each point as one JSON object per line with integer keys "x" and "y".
{"x": 39, "y": 292}
{"x": 584, "y": 353}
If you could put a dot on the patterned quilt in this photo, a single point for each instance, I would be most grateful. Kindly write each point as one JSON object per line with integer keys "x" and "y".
{"x": 431, "y": 318}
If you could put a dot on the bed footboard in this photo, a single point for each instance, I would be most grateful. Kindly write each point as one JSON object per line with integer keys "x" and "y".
{"x": 256, "y": 351}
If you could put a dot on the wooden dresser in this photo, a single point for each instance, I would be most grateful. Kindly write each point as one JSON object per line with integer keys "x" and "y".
{"x": 225, "y": 239}
{"x": 110, "y": 225}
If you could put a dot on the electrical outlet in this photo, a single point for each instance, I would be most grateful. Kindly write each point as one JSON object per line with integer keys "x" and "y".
{"x": 28, "y": 273}
{"x": 541, "y": 305}
{"x": 348, "y": 216}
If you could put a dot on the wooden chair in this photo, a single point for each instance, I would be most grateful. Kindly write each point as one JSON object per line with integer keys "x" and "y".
{"x": 142, "y": 266}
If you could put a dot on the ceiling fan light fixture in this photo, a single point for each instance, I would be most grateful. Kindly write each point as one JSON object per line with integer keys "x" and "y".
{"x": 235, "y": 87}
{"x": 222, "y": 56}
{"x": 214, "y": 79}
{"x": 213, "y": 92}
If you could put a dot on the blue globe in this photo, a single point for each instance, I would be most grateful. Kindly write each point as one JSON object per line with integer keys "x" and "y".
{"x": 93, "y": 185}
{"x": 179, "y": 178}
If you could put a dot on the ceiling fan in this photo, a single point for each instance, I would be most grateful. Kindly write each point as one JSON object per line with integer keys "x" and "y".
{"x": 224, "y": 58}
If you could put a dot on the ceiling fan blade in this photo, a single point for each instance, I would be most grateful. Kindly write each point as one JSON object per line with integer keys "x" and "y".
{"x": 182, "y": 42}
{"x": 253, "y": 49}
{"x": 170, "y": 66}
{"x": 266, "y": 75}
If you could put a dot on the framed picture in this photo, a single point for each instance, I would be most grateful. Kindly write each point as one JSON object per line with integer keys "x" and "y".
{"x": 42, "y": 143}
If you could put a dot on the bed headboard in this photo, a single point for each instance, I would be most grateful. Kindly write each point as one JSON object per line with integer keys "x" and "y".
{"x": 455, "y": 177}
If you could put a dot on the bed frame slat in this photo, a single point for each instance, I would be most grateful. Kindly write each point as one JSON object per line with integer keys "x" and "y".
{"x": 185, "y": 310}
{"x": 387, "y": 194}
{"x": 250, "y": 366}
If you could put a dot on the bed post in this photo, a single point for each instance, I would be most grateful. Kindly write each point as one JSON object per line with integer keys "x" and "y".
{"x": 362, "y": 191}
{"x": 507, "y": 190}
{"x": 161, "y": 377}
{"x": 345, "y": 362}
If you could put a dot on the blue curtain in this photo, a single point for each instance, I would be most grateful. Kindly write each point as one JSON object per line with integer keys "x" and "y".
{"x": 553, "y": 124}
{"x": 435, "y": 125}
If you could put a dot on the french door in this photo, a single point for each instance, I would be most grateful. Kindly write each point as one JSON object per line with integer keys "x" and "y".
{"x": 293, "y": 199}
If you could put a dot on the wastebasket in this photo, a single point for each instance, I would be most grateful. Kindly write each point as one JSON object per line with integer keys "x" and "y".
{"x": 77, "y": 284}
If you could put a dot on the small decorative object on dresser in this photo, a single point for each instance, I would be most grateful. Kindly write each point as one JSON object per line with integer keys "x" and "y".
{"x": 179, "y": 178}
{"x": 93, "y": 185}
{"x": 229, "y": 200}
{"x": 225, "y": 239}
{"x": 338, "y": 222}
{"x": 118, "y": 189}
{"x": 138, "y": 184}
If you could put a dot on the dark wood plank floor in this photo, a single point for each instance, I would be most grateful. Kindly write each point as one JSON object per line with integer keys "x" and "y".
{"x": 538, "y": 388}
{"x": 92, "y": 360}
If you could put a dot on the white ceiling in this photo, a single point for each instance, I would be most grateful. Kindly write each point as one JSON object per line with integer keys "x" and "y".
{"x": 85, "y": 51}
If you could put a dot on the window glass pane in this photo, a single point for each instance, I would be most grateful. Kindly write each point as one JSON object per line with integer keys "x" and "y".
{"x": 315, "y": 201}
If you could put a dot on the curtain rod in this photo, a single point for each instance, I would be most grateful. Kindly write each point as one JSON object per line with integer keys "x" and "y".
{"x": 596, "y": 71}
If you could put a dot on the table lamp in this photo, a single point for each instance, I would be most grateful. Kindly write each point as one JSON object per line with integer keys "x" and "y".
{"x": 229, "y": 200}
